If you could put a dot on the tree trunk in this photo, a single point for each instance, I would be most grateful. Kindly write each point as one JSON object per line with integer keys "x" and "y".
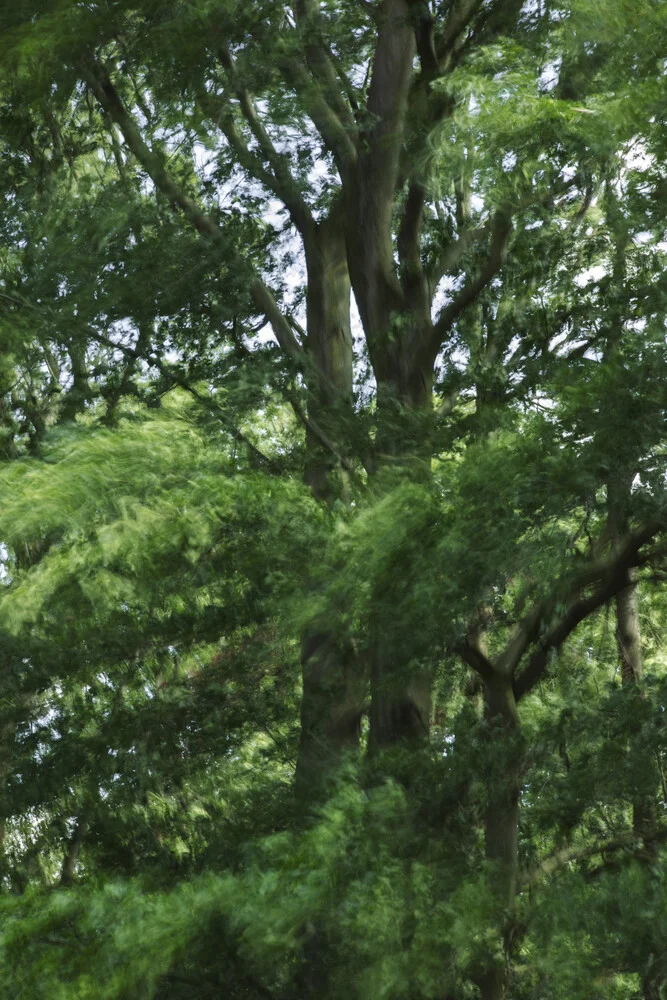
{"x": 400, "y": 706}
{"x": 628, "y": 638}
{"x": 400, "y": 696}
{"x": 501, "y": 821}
{"x": 329, "y": 366}
{"x": 628, "y": 643}
{"x": 628, "y": 635}
{"x": 334, "y": 682}
{"x": 332, "y": 703}
{"x": 72, "y": 851}
{"x": 7, "y": 737}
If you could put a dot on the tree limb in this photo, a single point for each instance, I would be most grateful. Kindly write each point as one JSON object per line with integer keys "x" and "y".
{"x": 612, "y": 577}
{"x": 501, "y": 229}
{"x": 324, "y": 440}
{"x": 99, "y": 81}
{"x": 476, "y": 659}
{"x": 320, "y": 63}
{"x": 453, "y": 252}
{"x": 336, "y": 137}
{"x": 412, "y": 271}
{"x": 460, "y": 15}
{"x": 176, "y": 378}
{"x": 559, "y": 859}
{"x": 280, "y": 179}
{"x": 391, "y": 77}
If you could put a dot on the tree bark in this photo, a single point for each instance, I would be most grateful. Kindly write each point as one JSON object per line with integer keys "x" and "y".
{"x": 329, "y": 350}
{"x": 334, "y": 682}
{"x": 72, "y": 851}
{"x": 628, "y": 633}
{"x": 400, "y": 706}
{"x": 400, "y": 696}
{"x": 628, "y": 643}
{"x": 332, "y": 704}
{"x": 501, "y": 821}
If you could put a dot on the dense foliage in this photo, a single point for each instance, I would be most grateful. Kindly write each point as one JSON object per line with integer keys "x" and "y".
{"x": 332, "y": 499}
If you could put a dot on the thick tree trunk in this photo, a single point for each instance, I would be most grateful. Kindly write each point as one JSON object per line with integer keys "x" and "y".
{"x": 329, "y": 365}
{"x": 628, "y": 643}
{"x": 332, "y": 703}
{"x": 501, "y": 822}
{"x": 400, "y": 696}
{"x": 334, "y": 682}
{"x": 400, "y": 705}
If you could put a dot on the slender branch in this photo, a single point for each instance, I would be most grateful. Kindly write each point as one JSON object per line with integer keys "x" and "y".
{"x": 100, "y": 83}
{"x": 308, "y": 19}
{"x": 324, "y": 440}
{"x": 176, "y": 378}
{"x": 217, "y": 108}
{"x": 345, "y": 81}
{"x": 454, "y": 251}
{"x": 525, "y": 634}
{"x": 461, "y": 14}
{"x": 501, "y": 229}
{"x": 495, "y": 19}
{"x": 280, "y": 180}
{"x": 321, "y": 436}
{"x": 335, "y": 136}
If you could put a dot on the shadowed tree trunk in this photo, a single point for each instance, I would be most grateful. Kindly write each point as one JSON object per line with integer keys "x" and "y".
{"x": 329, "y": 365}
{"x": 629, "y": 646}
{"x": 334, "y": 681}
{"x": 501, "y": 820}
{"x": 72, "y": 851}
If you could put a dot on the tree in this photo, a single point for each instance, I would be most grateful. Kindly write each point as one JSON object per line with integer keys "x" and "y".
{"x": 431, "y": 512}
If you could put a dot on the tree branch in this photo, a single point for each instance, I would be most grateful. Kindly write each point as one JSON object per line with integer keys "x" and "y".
{"x": 501, "y": 229}
{"x": 412, "y": 271}
{"x": 559, "y": 859}
{"x": 176, "y": 378}
{"x": 612, "y": 577}
{"x": 280, "y": 179}
{"x": 336, "y": 137}
{"x": 526, "y": 633}
{"x": 320, "y": 63}
{"x": 453, "y": 252}
{"x": 388, "y": 93}
{"x": 460, "y": 15}
{"x": 324, "y": 440}
{"x": 476, "y": 659}
{"x": 99, "y": 81}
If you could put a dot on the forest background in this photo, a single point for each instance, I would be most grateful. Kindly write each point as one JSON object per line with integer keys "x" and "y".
{"x": 332, "y": 499}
